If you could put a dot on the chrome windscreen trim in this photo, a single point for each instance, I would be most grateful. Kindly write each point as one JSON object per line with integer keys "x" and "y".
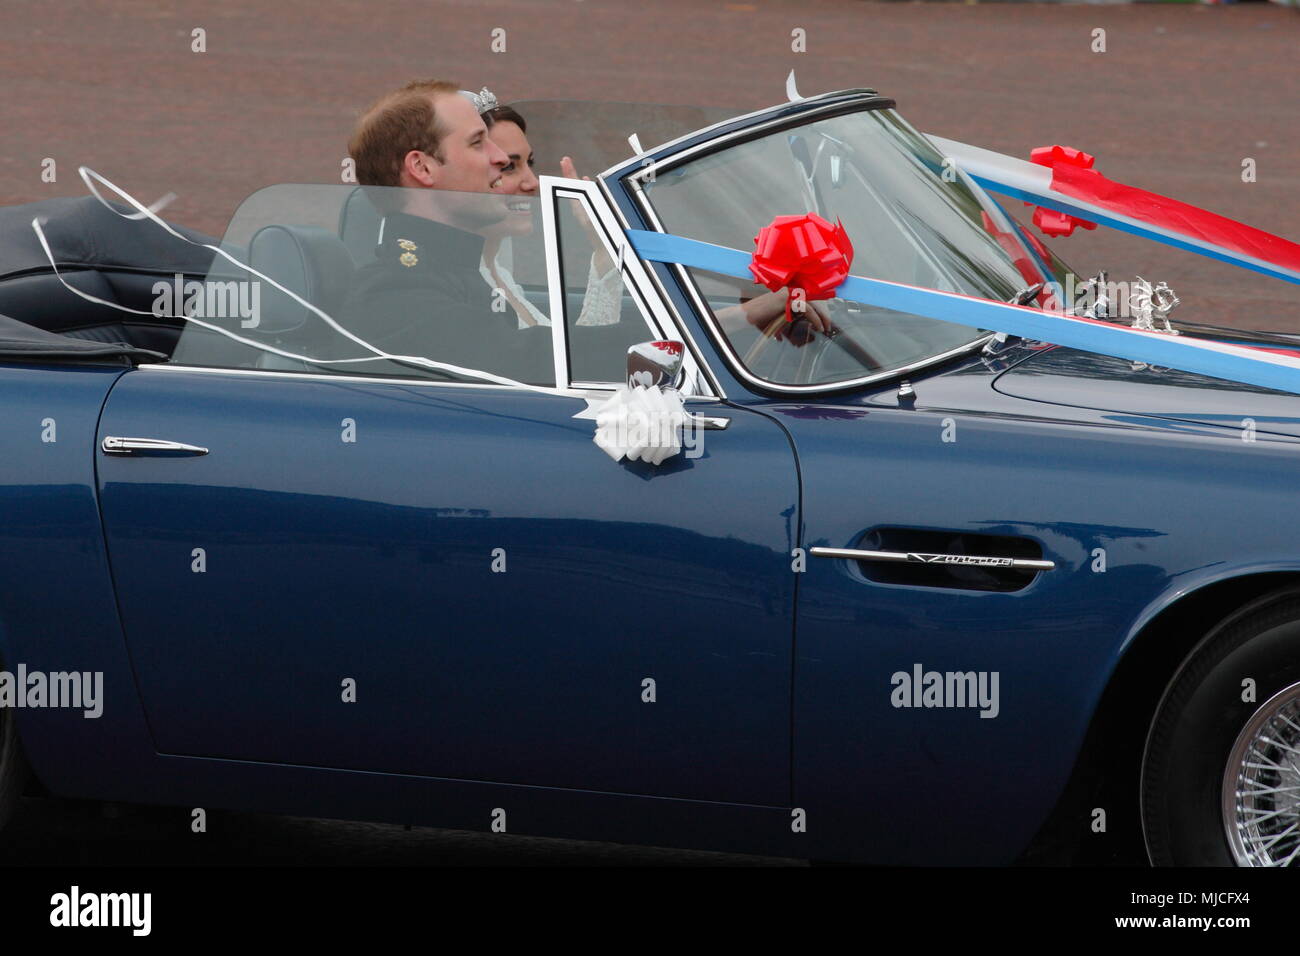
{"x": 869, "y": 100}
{"x": 551, "y": 250}
{"x": 858, "y": 94}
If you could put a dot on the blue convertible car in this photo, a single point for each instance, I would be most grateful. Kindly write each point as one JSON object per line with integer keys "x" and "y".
{"x": 916, "y": 590}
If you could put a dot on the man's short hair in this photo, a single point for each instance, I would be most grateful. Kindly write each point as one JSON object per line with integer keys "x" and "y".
{"x": 398, "y": 123}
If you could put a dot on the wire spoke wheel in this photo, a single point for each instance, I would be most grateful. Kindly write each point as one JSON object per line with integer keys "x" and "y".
{"x": 1261, "y": 785}
{"x": 1221, "y": 773}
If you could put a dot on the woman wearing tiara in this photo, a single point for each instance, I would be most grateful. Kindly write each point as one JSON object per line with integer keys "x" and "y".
{"x": 602, "y": 301}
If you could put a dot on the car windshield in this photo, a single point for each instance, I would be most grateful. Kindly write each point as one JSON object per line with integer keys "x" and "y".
{"x": 910, "y": 216}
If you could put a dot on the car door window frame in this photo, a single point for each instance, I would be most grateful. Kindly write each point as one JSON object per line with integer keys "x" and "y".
{"x": 660, "y": 323}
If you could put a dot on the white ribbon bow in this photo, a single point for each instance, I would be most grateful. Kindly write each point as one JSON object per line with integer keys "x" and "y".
{"x": 639, "y": 424}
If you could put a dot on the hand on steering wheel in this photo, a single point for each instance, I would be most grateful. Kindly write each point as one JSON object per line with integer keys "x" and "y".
{"x": 798, "y": 330}
{"x": 816, "y": 318}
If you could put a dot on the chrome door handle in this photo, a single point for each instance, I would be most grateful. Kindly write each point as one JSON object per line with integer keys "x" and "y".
{"x": 926, "y": 557}
{"x": 112, "y": 445}
{"x": 708, "y": 422}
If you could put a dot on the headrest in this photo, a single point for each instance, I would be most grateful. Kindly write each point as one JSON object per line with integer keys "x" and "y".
{"x": 307, "y": 260}
{"x": 359, "y": 226}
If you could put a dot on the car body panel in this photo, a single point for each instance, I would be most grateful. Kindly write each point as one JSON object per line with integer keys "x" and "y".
{"x": 1069, "y": 377}
{"x": 1169, "y": 509}
{"x": 495, "y": 586}
{"x": 57, "y": 607}
{"x": 773, "y": 726}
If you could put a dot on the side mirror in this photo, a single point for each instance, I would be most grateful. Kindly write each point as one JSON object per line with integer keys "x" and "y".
{"x": 654, "y": 364}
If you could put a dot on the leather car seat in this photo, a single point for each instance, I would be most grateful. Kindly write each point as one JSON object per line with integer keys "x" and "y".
{"x": 311, "y": 262}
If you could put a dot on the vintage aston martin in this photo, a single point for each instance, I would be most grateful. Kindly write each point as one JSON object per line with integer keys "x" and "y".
{"x": 958, "y": 575}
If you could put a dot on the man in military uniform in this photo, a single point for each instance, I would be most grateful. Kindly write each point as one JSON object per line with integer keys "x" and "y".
{"x": 424, "y": 295}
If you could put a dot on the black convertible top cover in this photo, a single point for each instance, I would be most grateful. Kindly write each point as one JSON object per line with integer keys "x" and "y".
{"x": 81, "y": 232}
{"x": 18, "y": 340}
{"x": 84, "y": 235}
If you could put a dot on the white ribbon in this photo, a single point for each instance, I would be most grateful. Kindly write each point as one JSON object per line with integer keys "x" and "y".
{"x": 89, "y": 177}
{"x": 639, "y": 424}
{"x": 648, "y": 417}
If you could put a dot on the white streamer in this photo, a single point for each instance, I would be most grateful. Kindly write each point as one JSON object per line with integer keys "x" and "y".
{"x": 89, "y": 177}
{"x": 637, "y": 424}
{"x": 158, "y": 205}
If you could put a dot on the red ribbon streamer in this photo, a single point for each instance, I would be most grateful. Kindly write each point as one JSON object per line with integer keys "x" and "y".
{"x": 1051, "y": 222}
{"x": 1176, "y": 216}
{"x": 1073, "y": 175}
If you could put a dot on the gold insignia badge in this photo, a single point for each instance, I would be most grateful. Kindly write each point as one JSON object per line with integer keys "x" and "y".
{"x": 408, "y": 259}
{"x": 407, "y": 244}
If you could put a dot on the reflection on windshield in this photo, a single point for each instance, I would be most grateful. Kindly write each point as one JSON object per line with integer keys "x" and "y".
{"x": 910, "y": 218}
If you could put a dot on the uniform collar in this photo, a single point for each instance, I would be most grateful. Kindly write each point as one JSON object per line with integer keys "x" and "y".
{"x": 447, "y": 245}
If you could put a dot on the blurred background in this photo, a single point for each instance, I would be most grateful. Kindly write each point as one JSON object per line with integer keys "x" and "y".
{"x": 1172, "y": 97}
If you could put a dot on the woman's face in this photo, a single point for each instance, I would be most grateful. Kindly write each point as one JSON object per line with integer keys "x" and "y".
{"x": 517, "y": 179}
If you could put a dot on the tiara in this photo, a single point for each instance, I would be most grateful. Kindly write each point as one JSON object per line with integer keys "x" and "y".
{"x": 483, "y": 100}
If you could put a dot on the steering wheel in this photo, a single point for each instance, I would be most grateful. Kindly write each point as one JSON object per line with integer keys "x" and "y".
{"x": 836, "y": 336}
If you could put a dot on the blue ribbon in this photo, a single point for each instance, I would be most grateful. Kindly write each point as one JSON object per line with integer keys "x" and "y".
{"x": 1023, "y": 321}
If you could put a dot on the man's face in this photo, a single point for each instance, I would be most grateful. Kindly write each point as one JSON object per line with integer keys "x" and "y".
{"x": 467, "y": 162}
{"x": 471, "y": 162}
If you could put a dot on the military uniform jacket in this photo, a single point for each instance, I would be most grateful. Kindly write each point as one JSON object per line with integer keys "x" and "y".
{"x": 424, "y": 295}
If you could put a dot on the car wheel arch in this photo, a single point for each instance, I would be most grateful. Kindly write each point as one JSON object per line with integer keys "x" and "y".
{"x": 1108, "y": 770}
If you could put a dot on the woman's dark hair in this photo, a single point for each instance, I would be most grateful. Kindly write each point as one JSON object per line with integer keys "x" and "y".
{"x": 504, "y": 114}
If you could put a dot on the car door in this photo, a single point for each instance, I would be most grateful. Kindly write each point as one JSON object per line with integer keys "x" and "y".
{"x": 971, "y": 583}
{"x": 451, "y": 579}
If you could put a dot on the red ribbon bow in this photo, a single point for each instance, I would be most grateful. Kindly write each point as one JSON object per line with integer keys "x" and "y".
{"x": 1051, "y": 222}
{"x": 805, "y": 253}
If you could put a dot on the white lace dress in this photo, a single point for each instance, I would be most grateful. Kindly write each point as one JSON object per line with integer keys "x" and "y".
{"x": 601, "y": 302}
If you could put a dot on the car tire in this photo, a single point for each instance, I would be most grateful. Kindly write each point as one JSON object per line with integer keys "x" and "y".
{"x": 12, "y": 771}
{"x": 1237, "y": 694}
{"x": 13, "y": 766}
